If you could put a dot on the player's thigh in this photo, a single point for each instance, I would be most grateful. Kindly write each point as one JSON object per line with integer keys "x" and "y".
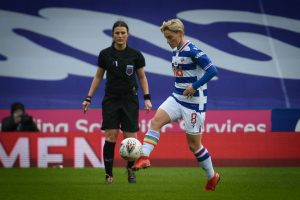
{"x": 110, "y": 113}
{"x": 171, "y": 107}
{"x": 130, "y": 114}
{"x": 193, "y": 121}
{"x": 160, "y": 119}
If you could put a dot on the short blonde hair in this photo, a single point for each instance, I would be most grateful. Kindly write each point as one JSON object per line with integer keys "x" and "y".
{"x": 174, "y": 25}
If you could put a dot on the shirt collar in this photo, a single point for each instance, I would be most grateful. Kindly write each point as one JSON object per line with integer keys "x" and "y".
{"x": 184, "y": 45}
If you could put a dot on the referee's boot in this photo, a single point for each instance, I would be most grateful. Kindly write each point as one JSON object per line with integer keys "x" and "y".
{"x": 131, "y": 176}
{"x": 108, "y": 179}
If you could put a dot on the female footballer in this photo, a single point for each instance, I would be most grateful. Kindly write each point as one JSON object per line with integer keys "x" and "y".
{"x": 192, "y": 70}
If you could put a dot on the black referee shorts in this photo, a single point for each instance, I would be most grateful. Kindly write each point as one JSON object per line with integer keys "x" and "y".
{"x": 120, "y": 112}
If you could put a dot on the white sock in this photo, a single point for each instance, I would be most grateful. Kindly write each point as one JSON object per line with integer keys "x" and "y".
{"x": 205, "y": 162}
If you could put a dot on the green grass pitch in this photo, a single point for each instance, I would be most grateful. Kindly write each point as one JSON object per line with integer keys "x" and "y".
{"x": 153, "y": 183}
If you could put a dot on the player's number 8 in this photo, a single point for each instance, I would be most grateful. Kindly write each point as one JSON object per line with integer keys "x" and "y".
{"x": 193, "y": 118}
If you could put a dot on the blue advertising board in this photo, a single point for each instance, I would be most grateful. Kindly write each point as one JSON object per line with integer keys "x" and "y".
{"x": 285, "y": 120}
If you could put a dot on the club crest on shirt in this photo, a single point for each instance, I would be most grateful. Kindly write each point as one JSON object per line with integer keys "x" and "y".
{"x": 129, "y": 70}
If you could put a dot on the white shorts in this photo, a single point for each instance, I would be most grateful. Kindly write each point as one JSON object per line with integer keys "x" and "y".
{"x": 193, "y": 121}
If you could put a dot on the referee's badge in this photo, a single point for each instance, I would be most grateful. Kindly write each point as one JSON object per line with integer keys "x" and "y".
{"x": 129, "y": 70}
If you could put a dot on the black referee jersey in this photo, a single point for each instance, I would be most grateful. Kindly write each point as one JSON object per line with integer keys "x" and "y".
{"x": 121, "y": 69}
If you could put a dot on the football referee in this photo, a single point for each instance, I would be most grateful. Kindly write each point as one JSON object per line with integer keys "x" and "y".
{"x": 120, "y": 105}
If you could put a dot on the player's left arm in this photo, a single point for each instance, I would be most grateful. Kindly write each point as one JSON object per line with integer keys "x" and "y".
{"x": 205, "y": 63}
{"x": 208, "y": 75}
{"x": 210, "y": 71}
{"x": 145, "y": 87}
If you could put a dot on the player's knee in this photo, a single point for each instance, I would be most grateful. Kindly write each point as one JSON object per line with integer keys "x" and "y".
{"x": 155, "y": 124}
{"x": 194, "y": 146}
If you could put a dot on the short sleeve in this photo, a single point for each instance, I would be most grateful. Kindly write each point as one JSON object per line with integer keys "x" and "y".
{"x": 201, "y": 58}
{"x": 101, "y": 60}
{"x": 140, "y": 61}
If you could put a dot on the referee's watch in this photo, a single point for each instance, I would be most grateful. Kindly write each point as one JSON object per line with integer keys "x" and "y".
{"x": 88, "y": 99}
{"x": 147, "y": 97}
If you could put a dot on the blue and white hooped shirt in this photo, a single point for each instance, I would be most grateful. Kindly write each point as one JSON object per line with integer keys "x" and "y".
{"x": 189, "y": 64}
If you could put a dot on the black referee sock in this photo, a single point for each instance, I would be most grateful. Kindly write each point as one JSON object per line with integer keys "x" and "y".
{"x": 130, "y": 164}
{"x": 108, "y": 153}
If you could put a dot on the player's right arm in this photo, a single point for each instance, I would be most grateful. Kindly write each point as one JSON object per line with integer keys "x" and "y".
{"x": 95, "y": 84}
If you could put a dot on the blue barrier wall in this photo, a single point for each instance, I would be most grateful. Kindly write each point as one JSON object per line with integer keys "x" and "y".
{"x": 286, "y": 120}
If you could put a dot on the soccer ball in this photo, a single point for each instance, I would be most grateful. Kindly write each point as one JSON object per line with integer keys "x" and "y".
{"x": 130, "y": 149}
